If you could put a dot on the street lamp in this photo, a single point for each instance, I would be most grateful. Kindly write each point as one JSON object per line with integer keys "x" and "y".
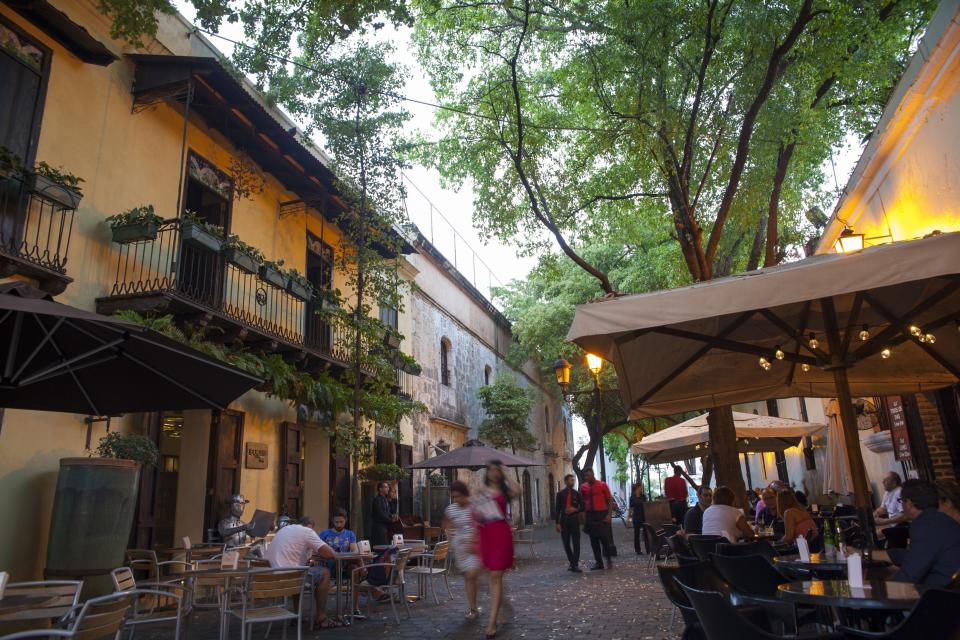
{"x": 849, "y": 241}
{"x": 595, "y": 364}
{"x": 562, "y": 369}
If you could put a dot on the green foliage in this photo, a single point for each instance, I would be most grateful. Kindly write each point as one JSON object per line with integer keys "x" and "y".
{"x": 382, "y": 472}
{"x": 144, "y": 214}
{"x": 617, "y": 450}
{"x": 129, "y": 446}
{"x": 10, "y": 161}
{"x": 59, "y": 176}
{"x": 437, "y": 480}
{"x": 508, "y": 407}
{"x": 233, "y": 241}
{"x": 192, "y": 217}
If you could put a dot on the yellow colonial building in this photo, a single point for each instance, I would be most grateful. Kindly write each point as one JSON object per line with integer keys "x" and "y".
{"x": 167, "y": 126}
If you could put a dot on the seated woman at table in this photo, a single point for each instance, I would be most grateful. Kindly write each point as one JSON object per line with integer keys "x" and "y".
{"x": 723, "y": 519}
{"x": 796, "y": 521}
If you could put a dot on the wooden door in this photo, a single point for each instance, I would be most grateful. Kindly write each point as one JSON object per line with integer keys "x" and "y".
{"x": 339, "y": 480}
{"x": 405, "y": 488}
{"x": 527, "y": 499}
{"x": 291, "y": 474}
{"x": 143, "y": 535}
{"x": 224, "y": 464}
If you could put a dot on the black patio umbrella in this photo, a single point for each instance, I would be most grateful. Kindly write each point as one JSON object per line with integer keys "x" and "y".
{"x": 54, "y": 357}
{"x": 474, "y": 455}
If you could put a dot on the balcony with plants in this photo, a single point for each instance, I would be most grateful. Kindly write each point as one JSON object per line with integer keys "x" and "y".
{"x": 37, "y": 208}
{"x": 197, "y": 273}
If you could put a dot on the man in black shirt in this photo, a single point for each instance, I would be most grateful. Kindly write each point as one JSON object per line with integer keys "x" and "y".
{"x": 382, "y": 517}
{"x": 693, "y": 520}
{"x": 569, "y": 506}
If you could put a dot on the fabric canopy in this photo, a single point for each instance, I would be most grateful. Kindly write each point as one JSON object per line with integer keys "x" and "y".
{"x": 699, "y": 346}
{"x": 690, "y": 439}
{"x": 59, "y": 358}
{"x": 474, "y": 455}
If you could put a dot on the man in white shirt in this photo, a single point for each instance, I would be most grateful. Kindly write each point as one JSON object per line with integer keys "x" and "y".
{"x": 296, "y": 545}
{"x": 890, "y": 511}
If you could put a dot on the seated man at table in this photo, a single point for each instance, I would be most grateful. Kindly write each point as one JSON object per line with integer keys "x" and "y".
{"x": 297, "y": 545}
{"x": 890, "y": 512}
{"x": 340, "y": 540}
{"x": 767, "y": 508}
{"x": 934, "y": 552}
{"x": 693, "y": 519}
{"x": 723, "y": 519}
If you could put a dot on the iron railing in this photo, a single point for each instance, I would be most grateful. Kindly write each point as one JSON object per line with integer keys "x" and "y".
{"x": 34, "y": 227}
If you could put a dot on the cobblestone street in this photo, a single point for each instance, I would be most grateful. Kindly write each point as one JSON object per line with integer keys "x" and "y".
{"x": 548, "y": 602}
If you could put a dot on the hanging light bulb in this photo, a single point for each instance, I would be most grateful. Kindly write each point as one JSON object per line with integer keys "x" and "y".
{"x": 814, "y": 343}
{"x": 778, "y": 354}
{"x": 885, "y": 353}
{"x": 805, "y": 367}
{"x": 864, "y": 334}
{"x": 921, "y": 338}
{"x": 929, "y": 338}
{"x": 915, "y": 331}
{"x": 764, "y": 363}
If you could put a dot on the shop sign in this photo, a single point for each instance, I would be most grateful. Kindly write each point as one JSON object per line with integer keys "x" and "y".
{"x": 256, "y": 455}
{"x": 898, "y": 428}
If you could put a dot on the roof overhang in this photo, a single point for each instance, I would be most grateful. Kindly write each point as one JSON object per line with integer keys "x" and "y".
{"x": 60, "y": 27}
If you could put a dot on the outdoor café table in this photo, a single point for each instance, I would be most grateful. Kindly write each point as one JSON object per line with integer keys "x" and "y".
{"x": 875, "y": 594}
{"x": 16, "y": 603}
{"x": 339, "y": 558}
{"x": 820, "y": 565}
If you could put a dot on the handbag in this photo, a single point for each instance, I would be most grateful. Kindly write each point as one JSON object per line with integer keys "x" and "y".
{"x": 486, "y": 510}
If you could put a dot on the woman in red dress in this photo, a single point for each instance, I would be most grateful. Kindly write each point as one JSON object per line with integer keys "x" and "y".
{"x": 495, "y": 536}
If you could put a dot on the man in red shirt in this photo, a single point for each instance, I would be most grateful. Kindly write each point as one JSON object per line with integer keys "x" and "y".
{"x": 598, "y": 505}
{"x": 675, "y": 489}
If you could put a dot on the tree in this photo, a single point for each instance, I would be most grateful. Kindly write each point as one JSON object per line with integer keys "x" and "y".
{"x": 574, "y": 117}
{"x": 508, "y": 407}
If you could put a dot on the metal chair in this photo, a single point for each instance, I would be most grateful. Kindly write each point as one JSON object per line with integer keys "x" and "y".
{"x": 96, "y": 618}
{"x": 434, "y": 564}
{"x": 163, "y": 603}
{"x": 64, "y": 596}
{"x": 721, "y": 621}
{"x": 754, "y": 580}
{"x": 754, "y": 548}
{"x": 266, "y": 597}
{"x": 934, "y": 616}
{"x": 704, "y": 545}
{"x": 395, "y": 586}
{"x": 527, "y": 537}
{"x": 145, "y": 560}
{"x": 656, "y": 543}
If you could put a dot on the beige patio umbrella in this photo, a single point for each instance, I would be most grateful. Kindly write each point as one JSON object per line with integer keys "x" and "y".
{"x": 882, "y": 321}
{"x": 691, "y": 438}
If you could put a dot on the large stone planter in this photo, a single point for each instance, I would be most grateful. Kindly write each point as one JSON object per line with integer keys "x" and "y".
{"x": 93, "y": 511}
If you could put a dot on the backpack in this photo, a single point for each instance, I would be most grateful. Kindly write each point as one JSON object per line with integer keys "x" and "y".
{"x": 378, "y": 576}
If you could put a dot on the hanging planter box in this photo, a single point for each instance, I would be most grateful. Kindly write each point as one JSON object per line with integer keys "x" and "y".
{"x": 274, "y": 276}
{"x": 195, "y": 234}
{"x": 242, "y": 260}
{"x": 140, "y": 232}
{"x": 299, "y": 289}
{"x": 50, "y": 190}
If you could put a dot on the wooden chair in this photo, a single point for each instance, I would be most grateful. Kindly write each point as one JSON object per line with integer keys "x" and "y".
{"x": 395, "y": 586}
{"x": 64, "y": 598}
{"x": 434, "y": 564}
{"x": 96, "y": 618}
{"x": 163, "y": 603}
{"x": 527, "y": 537}
{"x": 144, "y": 561}
{"x": 266, "y": 596}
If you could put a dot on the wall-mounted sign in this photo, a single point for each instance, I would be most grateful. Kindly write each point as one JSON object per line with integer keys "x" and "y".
{"x": 255, "y": 455}
{"x": 898, "y": 428}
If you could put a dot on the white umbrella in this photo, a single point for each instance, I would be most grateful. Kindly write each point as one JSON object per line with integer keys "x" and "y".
{"x": 691, "y": 439}
{"x": 836, "y": 476}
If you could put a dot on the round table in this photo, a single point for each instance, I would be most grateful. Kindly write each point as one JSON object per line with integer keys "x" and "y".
{"x": 875, "y": 594}
{"x": 822, "y": 562}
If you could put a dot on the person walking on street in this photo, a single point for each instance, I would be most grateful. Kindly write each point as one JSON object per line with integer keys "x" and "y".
{"x": 637, "y": 501}
{"x": 382, "y": 517}
{"x": 598, "y": 505}
{"x": 569, "y": 506}
{"x": 494, "y": 535}
{"x": 675, "y": 489}
{"x": 461, "y": 531}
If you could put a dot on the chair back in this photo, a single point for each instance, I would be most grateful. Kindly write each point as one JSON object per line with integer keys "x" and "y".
{"x": 186, "y": 543}
{"x": 749, "y": 575}
{"x": 704, "y": 545}
{"x": 684, "y": 560}
{"x": 275, "y": 583}
{"x": 440, "y": 551}
{"x": 230, "y": 559}
{"x": 101, "y": 617}
{"x": 123, "y": 579}
{"x": 144, "y": 560}
{"x": 754, "y": 548}
{"x": 650, "y": 536}
{"x": 934, "y": 616}
{"x": 63, "y": 596}
{"x": 719, "y": 619}
{"x": 399, "y": 565}
{"x": 897, "y": 537}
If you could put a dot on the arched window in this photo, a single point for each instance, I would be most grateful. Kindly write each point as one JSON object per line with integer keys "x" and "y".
{"x": 445, "y": 362}
{"x": 486, "y": 375}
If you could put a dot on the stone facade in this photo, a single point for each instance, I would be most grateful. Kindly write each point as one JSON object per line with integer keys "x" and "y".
{"x": 448, "y": 314}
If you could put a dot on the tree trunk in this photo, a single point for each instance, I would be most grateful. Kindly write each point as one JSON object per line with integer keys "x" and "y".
{"x": 757, "y": 249}
{"x": 723, "y": 451}
{"x": 707, "y": 475}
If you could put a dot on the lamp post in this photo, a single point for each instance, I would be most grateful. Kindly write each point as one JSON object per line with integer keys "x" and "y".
{"x": 595, "y": 364}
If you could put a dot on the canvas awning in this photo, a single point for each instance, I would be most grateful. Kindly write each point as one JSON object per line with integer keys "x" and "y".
{"x": 690, "y": 439}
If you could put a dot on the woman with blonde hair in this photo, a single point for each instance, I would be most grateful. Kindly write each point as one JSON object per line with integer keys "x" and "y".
{"x": 796, "y": 521}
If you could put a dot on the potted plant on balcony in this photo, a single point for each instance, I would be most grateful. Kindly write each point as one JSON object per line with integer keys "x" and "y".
{"x": 138, "y": 224}
{"x": 272, "y": 272}
{"x": 56, "y": 184}
{"x": 381, "y": 473}
{"x": 329, "y": 299}
{"x": 298, "y": 285}
{"x": 241, "y": 254}
{"x": 93, "y": 509}
{"x": 194, "y": 229}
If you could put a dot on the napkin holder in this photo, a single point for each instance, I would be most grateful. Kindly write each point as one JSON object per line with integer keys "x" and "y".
{"x": 398, "y": 539}
{"x": 855, "y": 570}
{"x": 803, "y": 548}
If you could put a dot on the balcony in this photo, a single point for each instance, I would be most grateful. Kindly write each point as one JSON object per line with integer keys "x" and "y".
{"x": 35, "y": 230}
{"x": 171, "y": 274}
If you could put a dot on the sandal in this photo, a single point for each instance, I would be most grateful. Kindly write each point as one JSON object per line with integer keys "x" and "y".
{"x": 472, "y": 614}
{"x": 329, "y": 623}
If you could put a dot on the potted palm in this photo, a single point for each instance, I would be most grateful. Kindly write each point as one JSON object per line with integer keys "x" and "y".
{"x": 242, "y": 255}
{"x": 298, "y": 285}
{"x": 195, "y": 230}
{"x": 56, "y": 184}
{"x": 272, "y": 272}
{"x": 93, "y": 509}
{"x": 138, "y": 224}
